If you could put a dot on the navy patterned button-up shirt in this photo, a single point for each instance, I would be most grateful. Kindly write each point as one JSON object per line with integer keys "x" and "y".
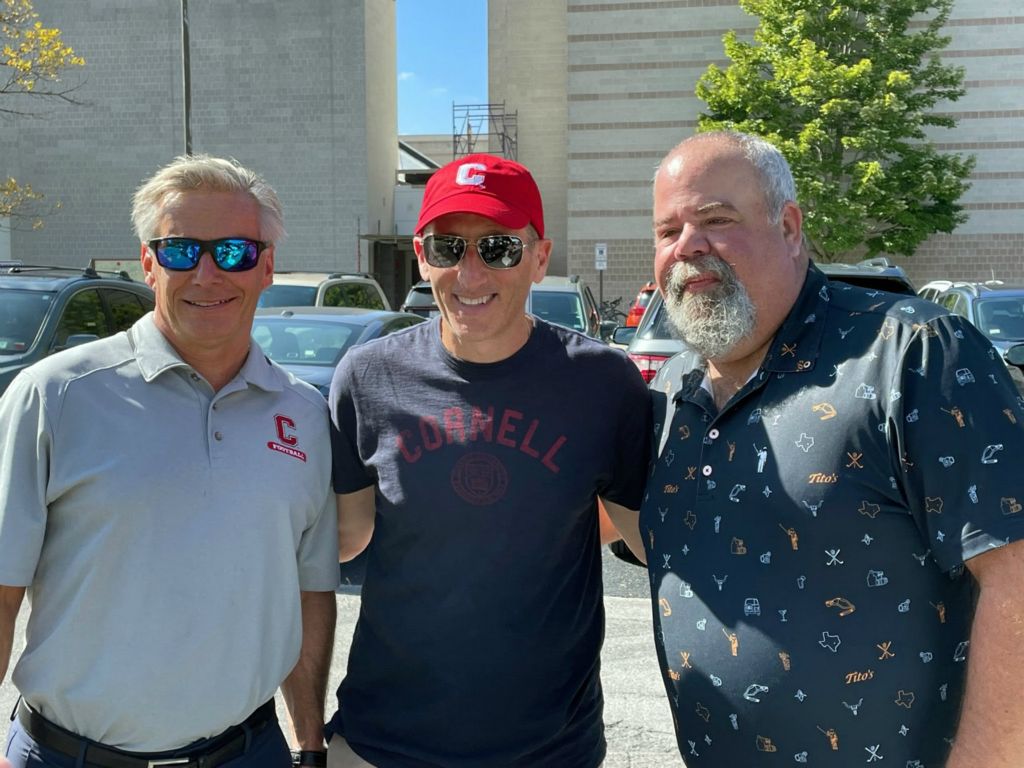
{"x": 806, "y": 544}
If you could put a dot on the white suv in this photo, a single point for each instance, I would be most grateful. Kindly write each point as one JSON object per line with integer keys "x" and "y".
{"x": 324, "y": 289}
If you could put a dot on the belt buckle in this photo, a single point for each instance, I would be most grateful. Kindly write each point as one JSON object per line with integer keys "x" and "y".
{"x": 171, "y": 761}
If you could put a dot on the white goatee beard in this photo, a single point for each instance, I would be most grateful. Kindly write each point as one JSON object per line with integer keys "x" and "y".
{"x": 715, "y": 321}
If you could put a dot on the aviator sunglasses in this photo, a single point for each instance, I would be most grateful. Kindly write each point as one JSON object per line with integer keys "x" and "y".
{"x": 497, "y": 251}
{"x": 232, "y": 254}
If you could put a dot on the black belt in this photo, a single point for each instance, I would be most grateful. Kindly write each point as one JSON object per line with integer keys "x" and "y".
{"x": 227, "y": 746}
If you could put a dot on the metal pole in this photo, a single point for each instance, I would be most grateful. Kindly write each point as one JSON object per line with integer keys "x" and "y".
{"x": 186, "y": 78}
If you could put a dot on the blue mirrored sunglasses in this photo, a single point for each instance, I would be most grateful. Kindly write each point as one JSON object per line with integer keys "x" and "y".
{"x": 232, "y": 254}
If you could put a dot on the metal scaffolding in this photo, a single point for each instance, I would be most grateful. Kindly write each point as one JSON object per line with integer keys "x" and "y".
{"x": 470, "y": 122}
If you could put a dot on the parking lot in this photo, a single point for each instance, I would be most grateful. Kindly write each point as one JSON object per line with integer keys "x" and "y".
{"x": 638, "y": 725}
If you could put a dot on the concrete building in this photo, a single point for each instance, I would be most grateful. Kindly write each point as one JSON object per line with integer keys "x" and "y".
{"x": 304, "y": 93}
{"x": 604, "y": 88}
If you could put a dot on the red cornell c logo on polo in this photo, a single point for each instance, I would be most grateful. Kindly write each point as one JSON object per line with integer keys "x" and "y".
{"x": 285, "y": 423}
{"x": 286, "y": 434}
{"x": 471, "y": 175}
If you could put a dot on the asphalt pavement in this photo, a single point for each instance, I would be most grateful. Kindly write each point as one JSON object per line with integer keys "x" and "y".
{"x": 638, "y": 725}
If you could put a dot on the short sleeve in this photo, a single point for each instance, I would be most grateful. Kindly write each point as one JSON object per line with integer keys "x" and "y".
{"x": 24, "y": 469}
{"x": 349, "y": 473}
{"x": 318, "y": 550}
{"x": 960, "y": 438}
{"x": 633, "y": 442}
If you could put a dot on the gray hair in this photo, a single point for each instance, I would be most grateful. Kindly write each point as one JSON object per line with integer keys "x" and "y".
{"x": 773, "y": 171}
{"x": 212, "y": 174}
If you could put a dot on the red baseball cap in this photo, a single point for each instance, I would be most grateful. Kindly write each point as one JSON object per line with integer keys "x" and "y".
{"x": 490, "y": 186}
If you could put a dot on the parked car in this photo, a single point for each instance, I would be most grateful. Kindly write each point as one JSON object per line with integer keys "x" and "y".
{"x": 45, "y": 309}
{"x": 565, "y": 301}
{"x": 310, "y": 341}
{"x": 324, "y": 289}
{"x": 420, "y": 300}
{"x": 636, "y": 309}
{"x": 878, "y": 273}
{"x": 931, "y": 290}
{"x": 656, "y": 341}
{"x": 995, "y": 307}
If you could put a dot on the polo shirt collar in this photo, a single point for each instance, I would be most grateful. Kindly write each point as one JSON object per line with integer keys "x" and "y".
{"x": 155, "y": 355}
{"x": 797, "y": 344}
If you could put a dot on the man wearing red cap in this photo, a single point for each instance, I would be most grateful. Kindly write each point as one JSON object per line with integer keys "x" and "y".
{"x": 470, "y": 453}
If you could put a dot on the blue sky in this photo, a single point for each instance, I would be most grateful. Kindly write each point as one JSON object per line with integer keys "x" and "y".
{"x": 442, "y": 58}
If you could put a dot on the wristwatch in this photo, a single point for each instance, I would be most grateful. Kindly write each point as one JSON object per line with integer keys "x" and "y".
{"x": 310, "y": 757}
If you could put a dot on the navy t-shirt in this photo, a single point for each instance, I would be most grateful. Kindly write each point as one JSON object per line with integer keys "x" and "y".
{"x": 806, "y": 544}
{"x": 481, "y": 618}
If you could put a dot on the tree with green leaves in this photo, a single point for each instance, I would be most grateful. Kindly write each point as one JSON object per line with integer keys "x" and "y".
{"x": 845, "y": 89}
{"x": 33, "y": 59}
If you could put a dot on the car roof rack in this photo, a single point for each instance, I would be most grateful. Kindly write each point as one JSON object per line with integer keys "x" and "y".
{"x": 17, "y": 269}
{"x": 327, "y": 275}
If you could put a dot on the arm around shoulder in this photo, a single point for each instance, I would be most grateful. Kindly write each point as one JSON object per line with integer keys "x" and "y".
{"x": 627, "y": 522}
{"x": 356, "y": 512}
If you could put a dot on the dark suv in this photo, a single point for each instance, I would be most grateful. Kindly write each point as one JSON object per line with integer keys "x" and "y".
{"x": 420, "y": 301}
{"x": 995, "y": 307}
{"x": 47, "y": 309}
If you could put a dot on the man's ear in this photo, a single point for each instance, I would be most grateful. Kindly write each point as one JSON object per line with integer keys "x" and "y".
{"x": 421, "y": 260}
{"x": 268, "y": 267}
{"x": 543, "y": 255}
{"x": 149, "y": 265}
{"x": 792, "y": 225}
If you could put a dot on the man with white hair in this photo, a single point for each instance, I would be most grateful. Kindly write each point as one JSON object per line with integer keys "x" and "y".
{"x": 833, "y": 518}
{"x": 165, "y": 502}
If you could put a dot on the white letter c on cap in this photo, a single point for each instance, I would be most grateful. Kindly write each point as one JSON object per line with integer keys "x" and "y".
{"x": 467, "y": 177}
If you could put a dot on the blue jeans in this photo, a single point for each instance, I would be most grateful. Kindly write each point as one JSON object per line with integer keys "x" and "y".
{"x": 268, "y": 749}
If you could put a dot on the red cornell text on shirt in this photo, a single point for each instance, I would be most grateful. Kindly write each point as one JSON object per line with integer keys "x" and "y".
{"x": 459, "y": 426}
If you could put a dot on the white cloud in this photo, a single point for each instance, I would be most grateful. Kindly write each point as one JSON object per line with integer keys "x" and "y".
{"x": 403, "y": 76}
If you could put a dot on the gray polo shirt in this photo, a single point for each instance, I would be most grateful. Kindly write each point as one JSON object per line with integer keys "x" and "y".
{"x": 164, "y": 532}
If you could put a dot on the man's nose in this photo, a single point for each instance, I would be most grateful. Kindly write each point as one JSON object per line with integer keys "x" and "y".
{"x": 206, "y": 269}
{"x": 691, "y": 243}
{"x": 472, "y": 262}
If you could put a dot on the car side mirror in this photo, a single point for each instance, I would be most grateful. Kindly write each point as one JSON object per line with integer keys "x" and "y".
{"x": 1015, "y": 355}
{"x": 625, "y": 333}
{"x": 607, "y": 327}
{"x": 75, "y": 340}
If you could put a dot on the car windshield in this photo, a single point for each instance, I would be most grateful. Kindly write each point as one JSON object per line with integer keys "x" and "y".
{"x": 564, "y": 309}
{"x": 21, "y": 315}
{"x": 309, "y": 342}
{"x": 1001, "y": 319}
{"x": 282, "y": 295}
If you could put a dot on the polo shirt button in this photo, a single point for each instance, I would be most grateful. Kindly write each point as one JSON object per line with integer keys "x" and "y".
{"x": 195, "y": 377}
{"x": 218, "y": 436}
{"x": 706, "y": 470}
{"x": 713, "y": 434}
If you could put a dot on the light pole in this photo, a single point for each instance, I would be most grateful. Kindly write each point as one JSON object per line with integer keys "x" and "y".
{"x": 186, "y": 78}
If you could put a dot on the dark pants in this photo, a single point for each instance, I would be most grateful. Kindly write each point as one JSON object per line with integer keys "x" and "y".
{"x": 268, "y": 749}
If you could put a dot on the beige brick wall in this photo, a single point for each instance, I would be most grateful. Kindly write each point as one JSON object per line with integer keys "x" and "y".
{"x": 632, "y": 67}
{"x": 527, "y": 66}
